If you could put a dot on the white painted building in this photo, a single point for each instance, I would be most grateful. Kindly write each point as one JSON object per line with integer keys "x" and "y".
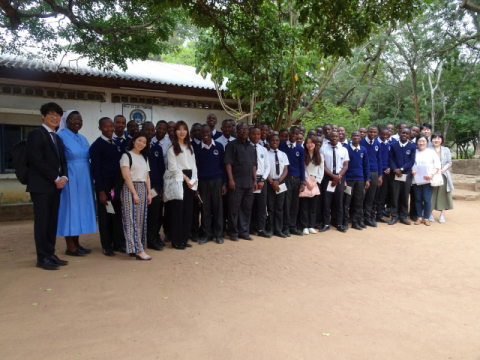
{"x": 161, "y": 91}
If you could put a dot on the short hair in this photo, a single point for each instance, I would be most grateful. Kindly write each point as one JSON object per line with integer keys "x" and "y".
{"x": 254, "y": 128}
{"x": 211, "y": 115}
{"x": 362, "y": 127}
{"x": 373, "y": 126}
{"x": 262, "y": 125}
{"x": 205, "y": 126}
{"x": 227, "y": 120}
{"x": 439, "y": 135}
{"x": 240, "y": 124}
{"x": 406, "y": 128}
{"x": 342, "y": 127}
{"x": 283, "y": 130}
{"x": 293, "y": 128}
{"x": 146, "y": 149}
{"x": 384, "y": 128}
{"x": 422, "y": 136}
{"x": 272, "y": 136}
{"x": 162, "y": 122}
{"x": 356, "y": 131}
{"x": 327, "y": 125}
{"x": 147, "y": 123}
{"x": 319, "y": 127}
{"x": 102, "y": 119}
{"x": 400, "y": 124}
{"x": 131, "y": 121}
{"x": 196, "y": 124}
{"x": 47, "y": 108}
{"x": 425, "y": 125}
{"x": 171, "y": 121}
{"x": 116, "y": 116}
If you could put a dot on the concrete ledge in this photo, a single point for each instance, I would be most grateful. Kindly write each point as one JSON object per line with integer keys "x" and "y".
{"x": 467, "y": 167}
{"x": 16, "y": 212}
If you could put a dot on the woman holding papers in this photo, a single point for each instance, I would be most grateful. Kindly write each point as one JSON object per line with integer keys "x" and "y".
{"x": 427, "y": 164}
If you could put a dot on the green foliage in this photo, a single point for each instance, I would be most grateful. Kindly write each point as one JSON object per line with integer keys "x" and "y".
{"x": 184, "y": 56}
{"x": 328, "y": 113}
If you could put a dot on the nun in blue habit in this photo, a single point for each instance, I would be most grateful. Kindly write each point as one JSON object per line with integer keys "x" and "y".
{"x": 77, "y": 205}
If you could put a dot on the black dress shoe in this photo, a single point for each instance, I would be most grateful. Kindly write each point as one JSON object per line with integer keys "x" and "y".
{"x": 342, "y": 228}
{"x": 279, "y": 234}
{"x": 252, "y": 232}
{"x": 120, "y": 250}
{"x": 166, "y": 239}
{"x": 356, "y": 226}
{"x": 245, "y": 237}
{"x": 264, "y": 234}
{"x": 381, "y": 219}
{"x": 195, "y": 238}
{"x": 393, "y": 221}
{"x": 77, "y": 252}
{"x": 47, "y": 264}
{"x": 324, "y": 228}
{"x": 155, "y": 246}
{"x": 203, "y": 240}
{"x": 57, "y": 261}
{"x": 414, "y": 218}
{"x": 188, "y": 245}
{"x": 387, "y": 213}
{"x": 233, "y": 238}
{"x": 405, "y": 221}
{"x": 296, "y": 232}
{"x": 286, "y": 233}
{"x": 178, "y": 247}
{"x": 371, "y": 223}
{"x": 362, "y": 225}
{"x": 85, "y": 250}
{"x": 108, "y": 252}
{"x": 219, "y": 240}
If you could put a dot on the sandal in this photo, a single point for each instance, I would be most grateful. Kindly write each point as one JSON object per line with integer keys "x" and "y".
{"x": 431, "y": 218}
{"x": 441, "y": 220}
{"x": 426, "y": 222}
{"x": 146, "y": 257}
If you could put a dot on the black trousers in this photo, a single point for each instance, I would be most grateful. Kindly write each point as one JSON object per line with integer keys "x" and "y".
{"x": 110, "y": 226}
{"x": 413, "y": 208}
{"x": 290, "y": 207}
{"x": 196, "y": 216}
{"x": 258, "y": 217}
{"x": 167, "y": 223}
{"x": 308, "y": 211}
{"x": 369, "y": 199}
{"x": 399, "y": 196}
{"x": 240, "y": 203}
{"x": 212, "y": 207}
{"x": 45, "y": 212}
{"x": 353, "y": 204}
{"x": 181, "y": 214}
{"x": 275, "y": 205}
{"x": 382, "y": 194}
{"x": 319, "y": 213}
{"x": 330, "y": 198}
{"x": 154, "y": 220}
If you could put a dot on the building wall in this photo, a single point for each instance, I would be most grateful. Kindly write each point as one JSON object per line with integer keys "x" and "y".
{"x": 91, "y": 111}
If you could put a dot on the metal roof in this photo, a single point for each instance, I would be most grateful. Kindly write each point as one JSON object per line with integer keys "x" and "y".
{"x": 148, "y": 71}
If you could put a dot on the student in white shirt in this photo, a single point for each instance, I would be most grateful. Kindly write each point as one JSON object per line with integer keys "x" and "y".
{"x": 278, "y": 161}
{"x": 227, "y": 129}
{"x": 258, "y": 215}
{"x": 313, "y": 167}
{"x": 423, "y": 191}
{"x": 135, "y": 195}
{"x": 181, "y": 160}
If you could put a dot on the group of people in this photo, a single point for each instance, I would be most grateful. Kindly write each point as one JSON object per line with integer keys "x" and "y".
{"x": 242, "y": 180}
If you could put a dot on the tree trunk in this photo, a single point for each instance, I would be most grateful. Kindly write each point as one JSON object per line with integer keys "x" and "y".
{"x": 415, "y": 95}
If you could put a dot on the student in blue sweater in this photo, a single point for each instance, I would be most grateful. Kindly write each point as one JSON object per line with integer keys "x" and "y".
{"x": 383, "y": 190}
{"x": 401, "y": 160}
{"x": 212, "y": 122}
{"x": 295, "y": 181}
{"x": 212, "y": 184}
{"x": 372, "y": 145}
{"x": 157, "y": 170}
{"x": 105, "y": 165}
{"x": 357, "y": 178}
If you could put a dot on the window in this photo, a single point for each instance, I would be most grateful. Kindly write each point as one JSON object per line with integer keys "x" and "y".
{"x": 9, "y": 136}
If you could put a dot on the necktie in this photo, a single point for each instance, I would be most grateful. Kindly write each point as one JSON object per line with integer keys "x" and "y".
{"x": 55, "y": 142}
{"x": 277, "y": 164}
{"x": 291, "y": 146}
{"x": 110, "y": 141}
{"x": 334, "y": 161}
{"x": 255, "y": 147}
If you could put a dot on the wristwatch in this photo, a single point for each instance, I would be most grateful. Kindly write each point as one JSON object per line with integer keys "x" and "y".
{"x": 401, "y": 169}
{"x": 262, "y": 179}
{"x": 303, "y": 183}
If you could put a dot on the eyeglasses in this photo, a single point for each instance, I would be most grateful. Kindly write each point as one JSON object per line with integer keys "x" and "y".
{"x": 54, "y": 115}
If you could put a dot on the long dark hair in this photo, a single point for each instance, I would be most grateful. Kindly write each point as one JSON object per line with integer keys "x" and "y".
{"x": 131, "y": 145}
{"x": 176, "y": 145}
{"x": 316, "y": 159}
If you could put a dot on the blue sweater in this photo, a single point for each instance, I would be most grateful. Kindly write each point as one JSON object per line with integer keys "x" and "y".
{"x": 385, "y": 151}
{"x": 105, "y": 163}
{"x": 296, "y": 158}
{"x": 210, "y": 164}
{"x": 157, "y": 166}
{"x": 402, "y": 156}
{"x": 124, "y": 144}
{"x": 374, "y": 154}
{"x": 358, "y": 166}
{"x": 217, "y": 135}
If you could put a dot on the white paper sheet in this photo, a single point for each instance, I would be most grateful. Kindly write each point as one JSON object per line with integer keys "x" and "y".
{"x": 153, "y": 193}
{"x": 110, "y": 209}
{"x": 422, "y": 171}
{"x": 348, "y": 190}
{"x": 402, "y": 178}
{"x": 331, "y": 188}
{"x": 282, "y": 188}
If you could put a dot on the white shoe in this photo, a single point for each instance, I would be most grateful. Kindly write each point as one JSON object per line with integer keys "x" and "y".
{"x": 312, "y": 231}
{"x": 305, "y": 231}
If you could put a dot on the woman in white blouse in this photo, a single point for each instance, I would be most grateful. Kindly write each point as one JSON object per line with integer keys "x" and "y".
{"x": 181, "y": 161}
{"x": 135, "y": 196}
{"x": 313, "y": 167}
{"x": 427, "y": 160}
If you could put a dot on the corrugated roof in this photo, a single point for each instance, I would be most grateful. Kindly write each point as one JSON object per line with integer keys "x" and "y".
{"x": 155, "y": 72}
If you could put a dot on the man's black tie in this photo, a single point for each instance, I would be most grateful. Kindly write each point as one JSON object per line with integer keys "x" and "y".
{"x": 334, "y": 161}
{"x": 110, "y": 141}
{"x": 277, "y": 164}
{"x": 55, "y": 141}
{"x": 255, "y": 147}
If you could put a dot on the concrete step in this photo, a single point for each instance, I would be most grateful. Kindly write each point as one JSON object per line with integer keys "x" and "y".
{"x": 466, "y": 182}
{"x": 466, "y": 195}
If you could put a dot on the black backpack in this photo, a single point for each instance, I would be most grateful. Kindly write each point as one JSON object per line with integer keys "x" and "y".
{"x": 120, "y": 181}
{"x": 20, "y": 161}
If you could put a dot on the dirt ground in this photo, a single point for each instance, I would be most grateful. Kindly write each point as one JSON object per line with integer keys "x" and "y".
{"x": 395, "y": 292}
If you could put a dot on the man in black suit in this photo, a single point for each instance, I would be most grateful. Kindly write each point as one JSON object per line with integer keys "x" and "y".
{"x": 47, "y": 175}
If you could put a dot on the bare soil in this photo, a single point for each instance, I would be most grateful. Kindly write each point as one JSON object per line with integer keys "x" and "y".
{"x": 395, "y": 292}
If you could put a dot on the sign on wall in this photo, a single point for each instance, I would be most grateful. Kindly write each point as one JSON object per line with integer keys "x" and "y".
{"x": 138, "y": 113}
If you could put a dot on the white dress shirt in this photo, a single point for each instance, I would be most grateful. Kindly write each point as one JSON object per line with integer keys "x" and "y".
{"x": 183, "y": 161}
{"x": 110, "y": 141}
{"x": 289, "y": 144}
{"x": 282, "y": 161}
{"x": 315, "y": 170}
{"x": 224, "y": 141}
{"x": 403, "y": 144}
{"x": 341, "y": 155}
{"x": 263, "y": 166}
{"x": 396, "y": 137}
{"x": 355, "y": 147}
{"x": 197, "y": 141}
{"x": 208, "y": 146}
{"x": 123, "y": 137}
{"x": 164, "y": 143}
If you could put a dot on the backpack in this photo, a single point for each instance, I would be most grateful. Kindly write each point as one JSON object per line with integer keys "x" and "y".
{"x": 20, "y": 161}
{"x": 120, "y": 181}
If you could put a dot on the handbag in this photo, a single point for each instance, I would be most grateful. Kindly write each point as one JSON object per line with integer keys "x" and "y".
{"x": 437, "y": 180}
{"x": 311, "y": 189}
{"x": 172, "y": 188}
